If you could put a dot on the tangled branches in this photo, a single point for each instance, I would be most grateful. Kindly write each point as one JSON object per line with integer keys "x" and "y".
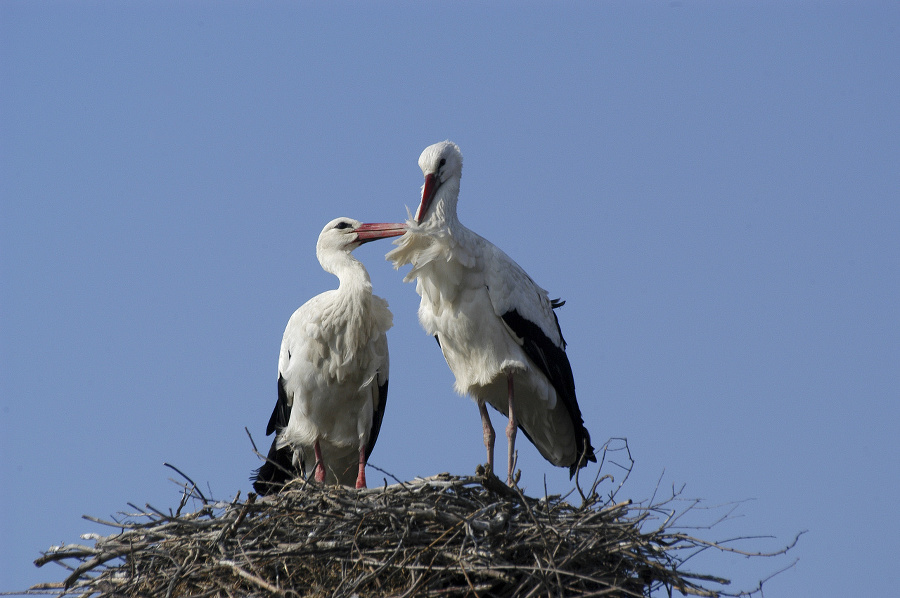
{"x": 438, "y": 536}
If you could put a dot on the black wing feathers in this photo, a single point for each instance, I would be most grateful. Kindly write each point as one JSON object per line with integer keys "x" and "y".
{"x": 277, "y": 471}
{"x": 279, "y": 466}
{"x": 554, "y": 363}
{"x": 377, "y": 417}
{"x": 282, "y": 412}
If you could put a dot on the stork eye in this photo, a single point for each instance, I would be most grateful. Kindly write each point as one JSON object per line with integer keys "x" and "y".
{"x": 342, "y": 225}
{"x": 442, "y": 162}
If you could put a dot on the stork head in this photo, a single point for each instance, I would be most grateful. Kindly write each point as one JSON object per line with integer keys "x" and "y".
{"x": 346, "y": 234}
{"x": 441, "y": 164}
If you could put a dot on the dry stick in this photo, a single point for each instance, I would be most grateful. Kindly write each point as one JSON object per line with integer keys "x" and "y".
{"x": 174, "y": 580}
{"x": 387, "y": 473}
{"x": 230, "y": 529}
{"x": 251, "y": 578}
{"x": 539, "y": 527}
{"x": 181, "y": 473}
{"x": 65, "y": 552}
{"x": 93, "y": 563}
{"x": 466, "y": 575}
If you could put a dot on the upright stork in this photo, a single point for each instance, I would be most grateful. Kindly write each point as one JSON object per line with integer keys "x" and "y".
{"x": 495, "y": 326}
{"x": 332, "y": 371}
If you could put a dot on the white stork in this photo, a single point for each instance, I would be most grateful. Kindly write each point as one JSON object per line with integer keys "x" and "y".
{"x": 495, "y": 326}
{"x": 332, "y": 370}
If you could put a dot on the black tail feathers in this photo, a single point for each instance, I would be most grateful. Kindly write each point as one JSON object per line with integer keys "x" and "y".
{"x": 586, "y": 452}
{"x": 277, "y": 471}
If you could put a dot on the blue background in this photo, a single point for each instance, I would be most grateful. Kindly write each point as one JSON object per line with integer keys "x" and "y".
{"x": 712, "y": 187}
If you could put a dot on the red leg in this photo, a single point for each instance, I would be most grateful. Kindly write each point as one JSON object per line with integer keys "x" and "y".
{"x": 361, "y": 478}
{"x": 488, "y": 434}
{"x": 320, "y": 465}
{"x": 511, "y": 429}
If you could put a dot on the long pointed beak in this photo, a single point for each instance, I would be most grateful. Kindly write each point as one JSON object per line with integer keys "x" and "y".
{"x": 372, "y": 231}
{"x": 428, "y": 190}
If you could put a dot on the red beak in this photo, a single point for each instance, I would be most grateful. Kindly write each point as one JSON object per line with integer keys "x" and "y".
{"x": 373, "y": 231}
{"x": 428, "y": 191}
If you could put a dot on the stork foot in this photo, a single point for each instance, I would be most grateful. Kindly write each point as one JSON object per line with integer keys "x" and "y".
{"x": 489, "y": 435}
{"x": 319, "y": 475}
{"x": 511, "y": 429}
{"x": 484, "y": 469}
{"x": 361, "y": 477}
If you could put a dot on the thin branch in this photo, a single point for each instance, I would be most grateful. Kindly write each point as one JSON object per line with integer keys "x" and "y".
{"x": 182, "y": 474}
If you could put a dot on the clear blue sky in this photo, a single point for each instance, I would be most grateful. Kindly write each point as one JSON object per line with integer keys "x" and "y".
{"x": 714, "y": 188}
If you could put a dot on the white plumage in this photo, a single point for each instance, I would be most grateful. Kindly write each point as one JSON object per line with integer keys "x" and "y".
{"x": 332, "y": 370}
{"x": 495, "y": 326}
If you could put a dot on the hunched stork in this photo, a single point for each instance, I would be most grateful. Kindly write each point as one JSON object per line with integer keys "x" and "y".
{"x": 495, "y": 326}
{"x": 332, "y": 371}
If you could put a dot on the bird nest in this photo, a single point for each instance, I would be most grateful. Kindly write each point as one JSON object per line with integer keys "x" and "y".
{"x": 438, "y": 536}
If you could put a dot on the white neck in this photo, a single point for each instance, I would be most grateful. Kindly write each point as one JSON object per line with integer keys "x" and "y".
{"x": 349, "y": 271}
{"x": 443, "y": 211}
